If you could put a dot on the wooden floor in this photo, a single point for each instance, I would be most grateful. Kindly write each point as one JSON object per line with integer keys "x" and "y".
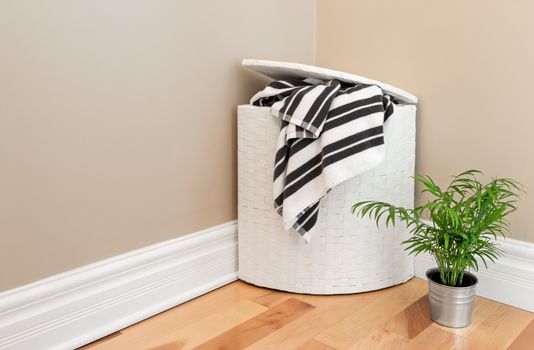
{"x": 240, "y": 316}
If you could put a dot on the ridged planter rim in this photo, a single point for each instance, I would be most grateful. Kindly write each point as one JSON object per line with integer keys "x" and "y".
{"x": 429, "y": 272}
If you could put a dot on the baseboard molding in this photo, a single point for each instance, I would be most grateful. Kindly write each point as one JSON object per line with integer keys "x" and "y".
{"x": 510, "y": 280}
{"x": 74, "y": 308}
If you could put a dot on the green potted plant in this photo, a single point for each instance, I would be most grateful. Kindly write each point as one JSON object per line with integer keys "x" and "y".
{"x": 458, "y": 227}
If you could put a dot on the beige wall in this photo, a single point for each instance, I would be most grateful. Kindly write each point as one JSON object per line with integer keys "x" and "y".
{"x": 117, "y": 120}
{"x": 471, "y": 63}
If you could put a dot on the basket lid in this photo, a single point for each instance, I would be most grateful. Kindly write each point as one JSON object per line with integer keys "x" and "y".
{"x": 286, "y": 70}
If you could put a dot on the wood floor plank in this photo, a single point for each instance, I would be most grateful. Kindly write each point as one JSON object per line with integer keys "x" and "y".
{"x": 328, "y": 311}
{"x": 434, "y": 338}
{"x": 498, "y": 330}
{"x": 373, "y": 316}
{"x": 381, "y": 339}
{"x": 228, "y": 300}
{"x": 314, "y": 345}
{"x": 175, "y": 345}
{"x": 525, "y": 340}
{"x": 412, "y": 320}
{"x": 197, "y": 333}
{"x": 258, "y": 327}
{"x": 273, "y": 298}
{"x": 179, "y": 336}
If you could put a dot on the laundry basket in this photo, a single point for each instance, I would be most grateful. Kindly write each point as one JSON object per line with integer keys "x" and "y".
{"x": 346, "y": 254}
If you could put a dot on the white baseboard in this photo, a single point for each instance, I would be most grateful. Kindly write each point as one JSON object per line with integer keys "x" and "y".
{"x": 76, "y": 307}
{"x": 509, "y": 281}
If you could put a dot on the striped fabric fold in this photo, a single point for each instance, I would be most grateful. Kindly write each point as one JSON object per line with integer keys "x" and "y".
{"x": 329, "y": 132}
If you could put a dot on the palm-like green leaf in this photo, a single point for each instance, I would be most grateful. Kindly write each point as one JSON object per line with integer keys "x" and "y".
{"x": 465, "y": 219}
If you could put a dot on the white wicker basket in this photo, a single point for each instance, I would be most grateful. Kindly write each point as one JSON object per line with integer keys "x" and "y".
{"x": 346, "y": 254}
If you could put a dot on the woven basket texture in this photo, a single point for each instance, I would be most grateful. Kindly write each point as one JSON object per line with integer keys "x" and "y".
{"x": 346, "y": 254}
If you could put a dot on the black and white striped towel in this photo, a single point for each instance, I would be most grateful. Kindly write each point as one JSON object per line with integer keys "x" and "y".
{"x": 330, "y": 132}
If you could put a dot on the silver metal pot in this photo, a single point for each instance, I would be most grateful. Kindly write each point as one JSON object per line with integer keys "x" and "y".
{"x": 451, "y": 306}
